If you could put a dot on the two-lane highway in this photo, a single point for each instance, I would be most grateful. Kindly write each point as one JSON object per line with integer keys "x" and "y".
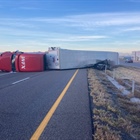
{"x": 26, "y": 98}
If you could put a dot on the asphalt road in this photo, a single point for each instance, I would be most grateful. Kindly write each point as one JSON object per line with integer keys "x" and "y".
{"x": 26, "y": 98}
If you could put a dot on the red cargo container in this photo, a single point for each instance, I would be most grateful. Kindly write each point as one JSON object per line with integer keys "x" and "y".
{"x": 22, "y": 62}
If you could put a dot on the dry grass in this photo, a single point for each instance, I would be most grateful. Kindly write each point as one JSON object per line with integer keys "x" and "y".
{"x": 122, "y": 73}
{"x": 103, "y": 132}
{"x": 114, "y": 116}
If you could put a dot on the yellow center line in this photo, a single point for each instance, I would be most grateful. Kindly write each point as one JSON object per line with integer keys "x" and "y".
{"x": 45, "y": 121}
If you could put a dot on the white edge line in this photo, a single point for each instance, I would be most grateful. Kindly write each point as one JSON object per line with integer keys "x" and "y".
{"x": 20, "y": 80}
{"x": 7, "y": 73}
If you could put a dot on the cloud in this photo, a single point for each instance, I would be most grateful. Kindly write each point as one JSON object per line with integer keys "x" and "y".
{"x": 86, "y": 20}
{"x": 132, "y": 29}
{"x": 103, "y": 19}
{"x": 106, "y": 19}
{"x": 91, "y": 37}
{"x": 100, "y": 29}
{"x": 77, "y": 38}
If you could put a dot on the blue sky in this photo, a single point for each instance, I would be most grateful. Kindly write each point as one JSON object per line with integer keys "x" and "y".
{"x": 103, "y": 25}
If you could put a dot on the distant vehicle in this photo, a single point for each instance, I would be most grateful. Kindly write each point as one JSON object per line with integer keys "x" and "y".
{"x": 128, "y": 59}
{"x": 21, "y": 62}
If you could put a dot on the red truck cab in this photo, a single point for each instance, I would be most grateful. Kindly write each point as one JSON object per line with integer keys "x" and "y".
{"x": 22, "y": 62}
{"x": 5, "y": 61}
{"x": 29, "y": 62}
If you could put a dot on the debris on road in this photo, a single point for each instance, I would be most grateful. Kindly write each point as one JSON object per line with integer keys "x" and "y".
{"x": 102, "y": 65}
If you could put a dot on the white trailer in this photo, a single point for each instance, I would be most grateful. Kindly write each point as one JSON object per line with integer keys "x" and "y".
{"x": 58, "y": 58}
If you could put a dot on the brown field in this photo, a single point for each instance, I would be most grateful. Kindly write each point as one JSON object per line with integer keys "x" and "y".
{"x": 115, "y": 117}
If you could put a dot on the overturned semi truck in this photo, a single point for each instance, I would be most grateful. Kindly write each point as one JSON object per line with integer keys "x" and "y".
{"x": 58, "y": 58}
{"x": 55, "y": 58}
{"x": 22, "y": 62}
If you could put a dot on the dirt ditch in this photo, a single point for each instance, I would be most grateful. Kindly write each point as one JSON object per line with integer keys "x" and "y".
{"x": 115, "y": 117}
